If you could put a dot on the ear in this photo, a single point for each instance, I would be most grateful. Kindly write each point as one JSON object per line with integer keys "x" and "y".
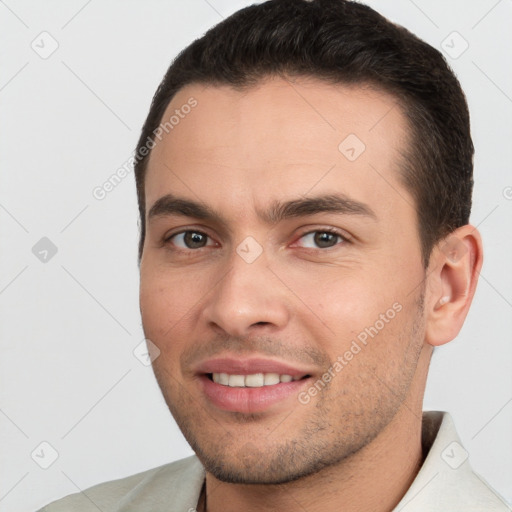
{"x": 453, "y": 273}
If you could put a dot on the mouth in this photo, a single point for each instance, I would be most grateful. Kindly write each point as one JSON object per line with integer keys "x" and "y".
{"x": 250, "y": 386}
{"x": 253, "y": 380}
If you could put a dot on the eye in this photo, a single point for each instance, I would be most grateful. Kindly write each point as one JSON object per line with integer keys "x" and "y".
{"x": 321, "y": 239}
{"x": 189, "y": 240}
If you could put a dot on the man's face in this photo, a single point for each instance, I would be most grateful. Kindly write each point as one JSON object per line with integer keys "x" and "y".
{"x": 289, "y": 326}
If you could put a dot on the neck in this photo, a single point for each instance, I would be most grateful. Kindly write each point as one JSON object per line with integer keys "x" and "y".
{"x": 374, "y": 478}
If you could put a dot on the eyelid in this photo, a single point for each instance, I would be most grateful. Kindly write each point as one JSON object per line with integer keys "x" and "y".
{"x": 182, "y": 229}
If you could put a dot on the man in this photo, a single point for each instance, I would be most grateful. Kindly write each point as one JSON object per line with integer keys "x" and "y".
{"x": 304, "y": 179}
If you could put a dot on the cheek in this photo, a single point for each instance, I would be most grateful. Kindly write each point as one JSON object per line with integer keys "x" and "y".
{"x": 342, "y": 301}
{"x": 162, "y": 313}
{"x": 165, "y": 301}
{"x": 368, "y": 307}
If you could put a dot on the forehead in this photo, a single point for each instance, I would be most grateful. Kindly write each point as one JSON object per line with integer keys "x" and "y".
{"x": 280, "y": 137}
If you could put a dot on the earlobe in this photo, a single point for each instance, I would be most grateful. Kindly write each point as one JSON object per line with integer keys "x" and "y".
{"x": 453, "y": 274}
{"x": 443, "y": 300}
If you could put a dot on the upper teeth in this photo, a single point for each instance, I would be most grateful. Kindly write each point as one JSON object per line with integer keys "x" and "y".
{"x": 254, "y": 380}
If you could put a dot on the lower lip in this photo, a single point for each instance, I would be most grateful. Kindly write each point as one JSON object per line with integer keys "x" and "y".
{"x": 249, "y": 400}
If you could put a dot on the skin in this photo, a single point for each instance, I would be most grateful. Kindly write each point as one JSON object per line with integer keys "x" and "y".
{"x": 357, "y": 442}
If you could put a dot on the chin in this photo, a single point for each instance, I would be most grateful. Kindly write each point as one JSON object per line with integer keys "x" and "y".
{"x": 251, "y": 465}
{"x": 256, "y": 476}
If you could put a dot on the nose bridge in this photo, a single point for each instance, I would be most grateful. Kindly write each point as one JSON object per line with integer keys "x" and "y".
{"x": 248, "y": 294}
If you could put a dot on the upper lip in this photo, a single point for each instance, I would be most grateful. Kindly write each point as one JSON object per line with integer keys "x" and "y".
{"x": 248, "y": 366}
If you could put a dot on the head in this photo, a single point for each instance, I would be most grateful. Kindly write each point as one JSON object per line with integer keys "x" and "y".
{"x": 353, "y": 45}
{"x": 298, "y": 174}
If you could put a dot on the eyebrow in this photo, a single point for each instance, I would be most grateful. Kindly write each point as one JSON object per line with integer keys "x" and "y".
{"x": 170, "y": 204}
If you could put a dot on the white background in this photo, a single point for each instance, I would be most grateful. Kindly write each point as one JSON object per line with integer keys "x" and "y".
{"x": 69, "y": 325}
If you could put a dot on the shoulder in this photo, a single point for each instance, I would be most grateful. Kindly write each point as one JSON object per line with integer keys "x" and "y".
{"x": 446, "y": 481}
{"x": 178, "y": 483}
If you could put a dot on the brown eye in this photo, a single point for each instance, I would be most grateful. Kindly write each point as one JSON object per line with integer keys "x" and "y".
{"x": 321, "y": 239}
{"x": 189, "y": 239}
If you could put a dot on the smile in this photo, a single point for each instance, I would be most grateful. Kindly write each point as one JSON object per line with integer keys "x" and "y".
{"x": 254, "y": 380}
{"x": 250, "y": 385}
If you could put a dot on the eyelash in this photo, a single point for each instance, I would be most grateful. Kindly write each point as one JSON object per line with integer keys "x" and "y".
{"x": 343, "y": 241}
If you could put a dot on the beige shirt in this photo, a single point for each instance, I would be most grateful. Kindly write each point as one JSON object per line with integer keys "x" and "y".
{"x": 444, "y": 483}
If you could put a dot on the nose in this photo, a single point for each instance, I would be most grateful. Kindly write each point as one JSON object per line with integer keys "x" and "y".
{"x": 247, "y": 299}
